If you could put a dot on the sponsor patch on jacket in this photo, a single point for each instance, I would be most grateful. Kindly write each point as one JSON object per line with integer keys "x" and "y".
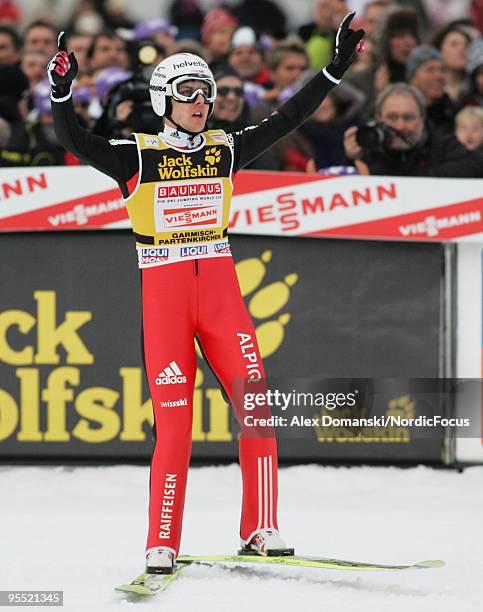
{"x": 151, "y": 141}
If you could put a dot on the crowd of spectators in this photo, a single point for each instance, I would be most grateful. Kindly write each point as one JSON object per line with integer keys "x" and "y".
{"x": 412, "y": 103}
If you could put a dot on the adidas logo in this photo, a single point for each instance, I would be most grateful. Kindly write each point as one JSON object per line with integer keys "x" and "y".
{"x": 171, "y": 375}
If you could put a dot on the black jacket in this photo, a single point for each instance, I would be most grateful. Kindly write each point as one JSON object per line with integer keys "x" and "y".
{"x": 441, "y": 114}
{"x": 436, "y": 155}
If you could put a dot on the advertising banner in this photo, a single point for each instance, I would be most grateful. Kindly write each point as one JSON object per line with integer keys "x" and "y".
{"x": 264, "y": 203}
{"x": 470, "y": 340}
{"x": 72, "y": 384}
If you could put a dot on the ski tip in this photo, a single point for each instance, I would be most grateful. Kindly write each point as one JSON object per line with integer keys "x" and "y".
{"x": 134, "y": 589}
{"x": 431, "y": 563}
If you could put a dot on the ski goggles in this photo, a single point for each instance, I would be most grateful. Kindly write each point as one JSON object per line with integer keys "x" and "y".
{"x": 187, "y": 89}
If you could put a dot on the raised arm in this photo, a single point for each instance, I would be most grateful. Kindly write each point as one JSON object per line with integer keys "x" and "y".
{"x": 117, "y": 158}
{"x": 254, "y": 140}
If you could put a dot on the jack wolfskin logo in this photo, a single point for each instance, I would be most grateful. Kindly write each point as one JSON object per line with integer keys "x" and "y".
{"x": 212, "y": 156}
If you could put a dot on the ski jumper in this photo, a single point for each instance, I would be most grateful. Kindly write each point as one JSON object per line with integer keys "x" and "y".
{"x": 180, "y": 207}
{"x": 177, "y": 190}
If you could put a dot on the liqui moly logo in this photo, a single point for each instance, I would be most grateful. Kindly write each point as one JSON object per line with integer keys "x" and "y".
{"x": 222, "y": 247}
{"x": 153, "y": 255}
{"x": 194, "y": 251}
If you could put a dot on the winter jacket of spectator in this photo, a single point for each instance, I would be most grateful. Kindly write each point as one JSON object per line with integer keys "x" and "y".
{"x": 29, "y": 145}
{"x": 437, "y": 154}
{"x": 264, "y": 16}
{"x": 440, "y": 115}
{"x": 319, "y": 44}
{"x": 327, "y": 140}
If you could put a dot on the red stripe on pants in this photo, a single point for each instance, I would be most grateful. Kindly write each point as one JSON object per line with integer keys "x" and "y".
{"x": 180, "y": 301}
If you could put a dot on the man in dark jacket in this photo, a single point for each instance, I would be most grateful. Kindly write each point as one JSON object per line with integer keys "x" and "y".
{"x": 426, "y": 71}
{"x": 402, "y": 145}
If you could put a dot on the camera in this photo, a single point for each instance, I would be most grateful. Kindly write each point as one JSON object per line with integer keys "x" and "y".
{"x": 135, "y": 89}
{"x": 142, "y": 118}
{"x": 373, "y": 135}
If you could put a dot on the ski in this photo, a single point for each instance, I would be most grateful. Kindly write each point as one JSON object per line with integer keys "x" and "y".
{"x": 321, "y": 563}
{"x": 151, "y": 584}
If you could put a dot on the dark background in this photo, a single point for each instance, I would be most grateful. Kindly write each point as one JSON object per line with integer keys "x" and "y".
{"x": 358, "y": 310}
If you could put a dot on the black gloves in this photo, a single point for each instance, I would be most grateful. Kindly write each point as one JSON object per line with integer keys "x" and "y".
{"x": 347, "y": 42}
{"x": 62, "y": 70}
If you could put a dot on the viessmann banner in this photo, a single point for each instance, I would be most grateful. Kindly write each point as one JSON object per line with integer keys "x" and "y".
{"x": 72, "y": 383}
{"x": 265, "y": 203}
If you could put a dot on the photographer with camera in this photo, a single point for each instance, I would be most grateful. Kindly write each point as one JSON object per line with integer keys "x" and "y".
{"x": 128, "y": 108}
{"x": 399, "y": 143}
{"x": 125, "y": 98}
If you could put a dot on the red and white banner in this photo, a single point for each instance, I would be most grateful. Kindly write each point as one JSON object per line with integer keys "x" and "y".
{"x": 269, "y": 203}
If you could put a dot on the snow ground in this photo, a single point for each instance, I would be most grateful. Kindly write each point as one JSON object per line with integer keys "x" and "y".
{"x": 82, "y": 530}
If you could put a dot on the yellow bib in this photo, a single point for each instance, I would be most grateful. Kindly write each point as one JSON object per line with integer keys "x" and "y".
{"x": 181, "y": 205}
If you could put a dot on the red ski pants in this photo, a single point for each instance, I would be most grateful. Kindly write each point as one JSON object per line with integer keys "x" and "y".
{"x": 180, "y": 301}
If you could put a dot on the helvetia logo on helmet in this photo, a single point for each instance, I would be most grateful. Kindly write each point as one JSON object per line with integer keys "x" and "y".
{"x": 187, "y": 64}
{"x": 171, "y": 375}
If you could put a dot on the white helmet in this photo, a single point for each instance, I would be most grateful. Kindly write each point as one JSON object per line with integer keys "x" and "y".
{"x": 174, "y": 71}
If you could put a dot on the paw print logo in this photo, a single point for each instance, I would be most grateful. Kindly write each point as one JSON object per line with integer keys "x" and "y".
{"x": 404, "y": 407}
{"x": 212, "y": 156}
{"x": 267, "y": 301}
{"x": 265, "y": 305}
